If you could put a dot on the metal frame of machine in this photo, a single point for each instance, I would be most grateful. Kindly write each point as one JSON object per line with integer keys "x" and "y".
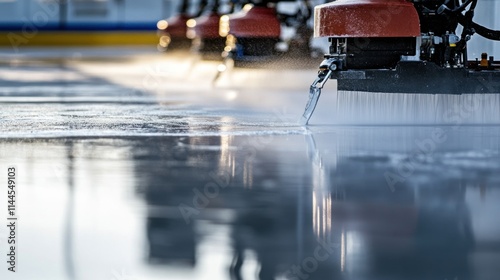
{"x": 402, "y": 46}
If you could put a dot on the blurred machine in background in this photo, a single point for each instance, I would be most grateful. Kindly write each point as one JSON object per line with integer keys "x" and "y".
{"x": 196, "y": 25}
{"x": 244, "y": 30}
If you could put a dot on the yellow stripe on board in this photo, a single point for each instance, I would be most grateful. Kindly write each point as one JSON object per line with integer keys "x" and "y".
{"x": 78, "y": 38}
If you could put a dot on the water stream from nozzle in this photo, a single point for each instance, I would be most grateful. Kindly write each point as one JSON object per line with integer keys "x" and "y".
{"x": 314, "y": 93}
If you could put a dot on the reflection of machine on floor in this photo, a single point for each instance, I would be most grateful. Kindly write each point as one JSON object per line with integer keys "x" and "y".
{"x": 413, "y": 232}
{"x": 399, "y": 46}
{"x": 170, "y": 239}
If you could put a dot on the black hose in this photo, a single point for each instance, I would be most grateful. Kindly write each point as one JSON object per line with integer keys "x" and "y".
{"x": 463, "y": 6}
{"x": 481, "y": 30}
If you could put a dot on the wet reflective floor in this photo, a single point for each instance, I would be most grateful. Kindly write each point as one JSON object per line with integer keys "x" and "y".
{"x": 119, "y": 178}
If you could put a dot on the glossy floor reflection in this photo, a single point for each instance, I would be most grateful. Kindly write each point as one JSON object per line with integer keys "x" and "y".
{"x": 334, "y": 203}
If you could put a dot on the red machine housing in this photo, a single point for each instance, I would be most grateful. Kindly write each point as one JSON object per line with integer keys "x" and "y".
{"x": 177, "y": 26}
{"x": 366, "y": 18}
{"x": 255, "y": 22}
{"x": 251, "y": 33}
{"x": 172, "y": 33}
{"x": 204, "y": 31}
{"x": 207, "y": 26}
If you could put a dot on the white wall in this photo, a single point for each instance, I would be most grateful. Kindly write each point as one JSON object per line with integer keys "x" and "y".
{"x": 106, "y": 11}
{"x": 86, "y": 11}
{"x": 29, "y": 13}
{"x": 145, "y": 10}
{"x": 12, "y": 10}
